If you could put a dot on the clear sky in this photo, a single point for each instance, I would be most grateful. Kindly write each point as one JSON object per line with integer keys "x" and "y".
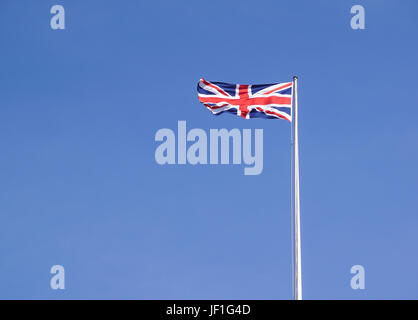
{"x": 79, "y": 185}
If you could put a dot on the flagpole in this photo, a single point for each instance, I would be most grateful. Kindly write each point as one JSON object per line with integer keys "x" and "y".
{"x": 297, "y": 261}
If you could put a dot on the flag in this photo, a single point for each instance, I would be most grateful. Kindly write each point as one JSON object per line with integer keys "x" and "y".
{"x": 269, "y": 101}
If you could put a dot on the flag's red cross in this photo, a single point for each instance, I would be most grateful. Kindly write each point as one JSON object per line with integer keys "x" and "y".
{"x": 244, "y": 100}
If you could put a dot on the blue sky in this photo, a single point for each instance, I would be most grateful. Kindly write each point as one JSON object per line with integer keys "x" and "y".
{"x": 79, "y": 187}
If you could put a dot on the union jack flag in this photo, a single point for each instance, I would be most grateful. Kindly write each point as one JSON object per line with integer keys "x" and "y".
{"x": 270, "y": 101}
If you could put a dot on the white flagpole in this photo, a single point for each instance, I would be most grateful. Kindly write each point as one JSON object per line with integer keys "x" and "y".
{"x": 297, "y": 272}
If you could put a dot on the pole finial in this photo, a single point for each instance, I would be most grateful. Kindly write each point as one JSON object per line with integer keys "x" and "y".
{"x": 295, "y": 77}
